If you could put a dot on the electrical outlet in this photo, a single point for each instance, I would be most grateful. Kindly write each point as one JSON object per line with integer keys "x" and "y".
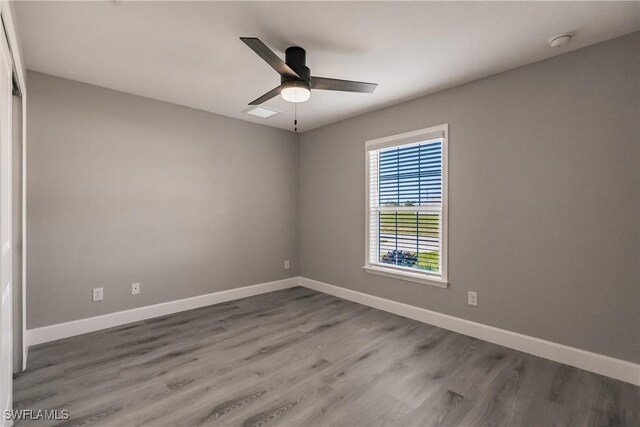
{"x": 472, "y": 298}
{"x": 286, "y": 264}
{"x": 135, "y": 288}
{"x": 98, "y": 294}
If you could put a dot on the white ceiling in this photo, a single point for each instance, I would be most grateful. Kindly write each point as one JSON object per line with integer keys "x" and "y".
{"x": 189, "y": 53}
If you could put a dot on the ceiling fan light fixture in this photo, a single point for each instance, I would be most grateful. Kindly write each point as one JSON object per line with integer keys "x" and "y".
{"x": 295, "y": 91}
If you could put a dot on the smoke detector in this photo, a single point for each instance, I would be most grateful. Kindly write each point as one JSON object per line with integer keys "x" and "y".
{"x": 560, "y": 41}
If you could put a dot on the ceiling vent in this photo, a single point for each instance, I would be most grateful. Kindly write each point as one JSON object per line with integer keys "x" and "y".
{"x": 262, "y": 112}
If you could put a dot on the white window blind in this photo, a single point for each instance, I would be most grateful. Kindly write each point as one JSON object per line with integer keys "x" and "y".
{"x": 406, "y": 203}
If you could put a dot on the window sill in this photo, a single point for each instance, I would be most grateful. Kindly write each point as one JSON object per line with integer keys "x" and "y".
{"x": 408, "y": 276}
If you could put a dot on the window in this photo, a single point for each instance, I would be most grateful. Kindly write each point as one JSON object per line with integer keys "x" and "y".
{"x": 407, "y": 206}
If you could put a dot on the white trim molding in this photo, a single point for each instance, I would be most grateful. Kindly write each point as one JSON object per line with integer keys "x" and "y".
{"x": 373, "y": 206}
{"x": 8, "y": 17}
{"x": 90, "y": 324}
{"x": 604, "y": 365}
{"x": 407, "y": 276}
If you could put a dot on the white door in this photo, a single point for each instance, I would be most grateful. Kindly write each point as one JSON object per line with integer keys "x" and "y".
{"x": 6, "y": 340}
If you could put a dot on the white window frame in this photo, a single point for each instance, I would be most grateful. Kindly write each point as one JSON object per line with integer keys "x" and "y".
{"x": 413, "y": 275}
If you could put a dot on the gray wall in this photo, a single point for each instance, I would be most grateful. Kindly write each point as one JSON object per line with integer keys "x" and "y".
{"x": 125, "y": 189}
{"x": 544, "y": 199}
{"x": 16, "y": 217}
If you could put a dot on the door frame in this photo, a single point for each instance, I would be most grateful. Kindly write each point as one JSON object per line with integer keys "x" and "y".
{"x": 8, "y": 19}
{"x": 6, "y": 235}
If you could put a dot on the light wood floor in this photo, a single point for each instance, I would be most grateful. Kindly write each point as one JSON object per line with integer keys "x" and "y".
{"x": 302, "y": 358}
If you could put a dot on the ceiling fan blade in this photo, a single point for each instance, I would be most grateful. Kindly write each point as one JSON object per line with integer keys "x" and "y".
{"x": 323, "y": 83}
{"x": 269, "y": 56}
{"x": 267, "y": 96}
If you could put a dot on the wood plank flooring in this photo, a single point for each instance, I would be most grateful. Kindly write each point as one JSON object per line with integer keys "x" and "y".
{"x": 302, "y": 358}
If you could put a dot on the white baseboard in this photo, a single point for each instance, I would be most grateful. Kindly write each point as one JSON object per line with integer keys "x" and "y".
{"x": 25, "y": 351}
{"x": 593, "y": 362}
{"x": 91, "y": 324}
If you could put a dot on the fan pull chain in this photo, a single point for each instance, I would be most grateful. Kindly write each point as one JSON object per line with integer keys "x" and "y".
{"x": 295, "y": 117}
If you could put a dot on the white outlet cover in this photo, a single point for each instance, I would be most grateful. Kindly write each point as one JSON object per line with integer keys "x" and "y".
{"x": 98, "y": 294}
{"x": 135, "y": 288}
{"x": 286, "y": 264}
{"x": 472, "y": 298}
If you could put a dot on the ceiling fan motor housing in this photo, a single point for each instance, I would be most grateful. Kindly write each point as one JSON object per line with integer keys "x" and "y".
{"x": 296, "y": 58}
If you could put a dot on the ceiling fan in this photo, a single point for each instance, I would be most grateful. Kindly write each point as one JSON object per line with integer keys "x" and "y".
{"x": 295, "y": 77}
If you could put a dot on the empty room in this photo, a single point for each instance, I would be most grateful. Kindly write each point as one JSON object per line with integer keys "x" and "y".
{"x": 320, "y": 213}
